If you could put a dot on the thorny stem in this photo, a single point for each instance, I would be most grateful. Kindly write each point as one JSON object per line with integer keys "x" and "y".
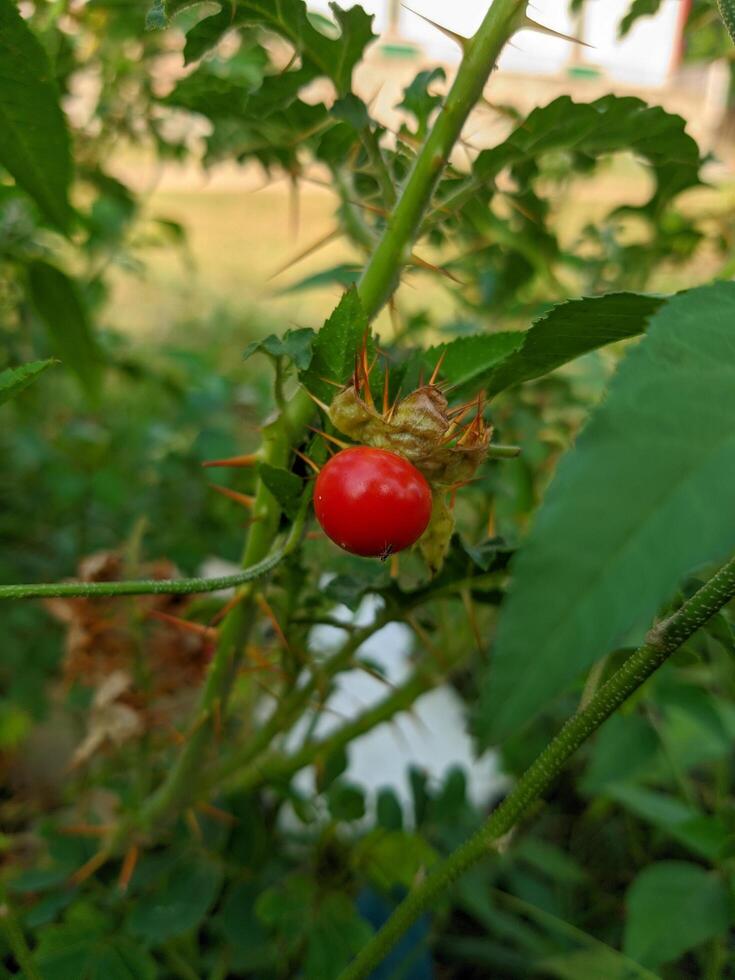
{"x": 394, "y": 249}
{"x": 279, "y": 767}
{"x": 181, "y": 780}
{"x": 254, "y": 754}
{"x": 663, "y": 640}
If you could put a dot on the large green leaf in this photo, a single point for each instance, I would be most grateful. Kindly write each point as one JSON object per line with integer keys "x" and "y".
{"x": 570, "y": 330}
{"x": 333, "y": 57}
{"x": 14, "y": 380}
{"x": 60, "y": 307}
{"x": 590, "y": 130}
{"x": 336, "y": 346}
{"x": 644, "y": 498}
{"x": 674, "y": 906}
{"x": 34, "y": 143}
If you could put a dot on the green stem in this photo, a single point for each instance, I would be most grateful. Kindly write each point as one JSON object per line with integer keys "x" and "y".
{"x": 181, "y": 782}
{"x": 661, "y": 642}
{"x": 481, "y": 53}
{"x": 17, "y": 940}
{"x": 251, "y": 758}
{"x": 291, "y": 706}
{"x": 184, "y": 586}
{"x": 277, "y": 766}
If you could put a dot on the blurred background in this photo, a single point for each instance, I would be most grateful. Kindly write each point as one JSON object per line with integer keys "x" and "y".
{"x": 243, "y": 226}
{"x": 195, "y": 238}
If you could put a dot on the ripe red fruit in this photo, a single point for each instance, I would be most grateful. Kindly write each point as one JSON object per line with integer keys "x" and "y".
{"x": 371, "y": 502}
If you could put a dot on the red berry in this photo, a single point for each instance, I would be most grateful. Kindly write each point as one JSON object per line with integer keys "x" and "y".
{"x": 372, "y": 502}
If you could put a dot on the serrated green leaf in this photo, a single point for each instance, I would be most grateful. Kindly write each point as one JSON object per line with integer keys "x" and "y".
{"x": 332, "y": 57}
{"x": 296, "y": 345}
{"x": 221, "y": 89}
{"x": 336, "y": 346}
{"x": 673, "y": 906}
{"x": 469, "y": 361}
{"x": 418, "y": 101}
{"x": 59, "y": 305}
{"x": 616, "y": 534}
{"x": 570, "y": 330}
{"x": 593, "y": 129}
{"x": 14, "y": 380}
{"x": 34, "y": 142}
{"x": 286, "y": 487}
{"x": 177, "y": 901}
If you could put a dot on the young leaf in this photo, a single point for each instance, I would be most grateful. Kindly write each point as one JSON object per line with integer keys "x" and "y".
{"x": 418, "y": 100}
{"x": 88, "y": 953}
{"x": 34, "y": 142}
{"x": 296, "y": 345}
{"x": 638, "y": 9}
{"x": 643, "y": 499}
{"x": 571, "y": 330}
{"x": 336, "y": 346}
{"x": 673, "y": 906}
{"x": 60, "y": 307}
{"x": 14, "y": 380}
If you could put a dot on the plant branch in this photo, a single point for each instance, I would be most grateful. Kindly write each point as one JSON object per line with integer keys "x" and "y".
{"x": 16, "y": 940}
{"x": 184, "y": 586}
{"x": 382, "y": 273}
{"x": 280, "y": 767}
{"x": 663, "y": 640}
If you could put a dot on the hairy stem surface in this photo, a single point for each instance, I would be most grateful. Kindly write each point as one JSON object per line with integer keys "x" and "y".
{"x": 662, "y": 641}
